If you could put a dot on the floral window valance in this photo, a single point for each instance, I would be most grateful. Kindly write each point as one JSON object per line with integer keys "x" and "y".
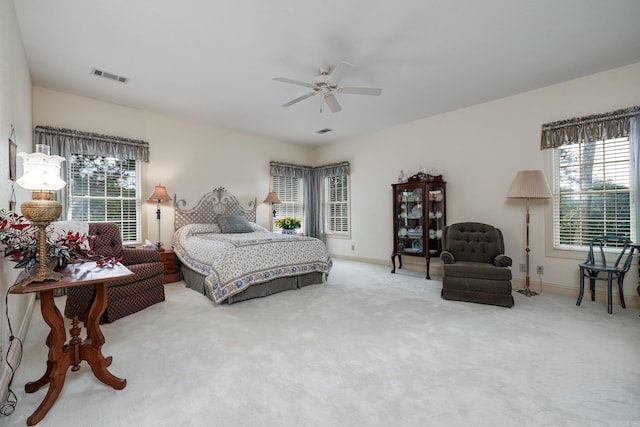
{"x": 615, "y": 124}
{"x": 69, "y": 141}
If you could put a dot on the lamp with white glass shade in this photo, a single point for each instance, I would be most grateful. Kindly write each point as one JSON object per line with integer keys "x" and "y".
{"x": 41, "y": 176}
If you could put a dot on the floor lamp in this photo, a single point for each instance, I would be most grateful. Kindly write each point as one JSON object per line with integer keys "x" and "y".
{"x": 529, "y": 184}
{"x": 159, "y": 195}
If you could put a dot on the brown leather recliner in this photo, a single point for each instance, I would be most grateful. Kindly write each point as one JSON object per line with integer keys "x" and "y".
{"x": 128, "y": 295}
{"x": 475, "y": 266}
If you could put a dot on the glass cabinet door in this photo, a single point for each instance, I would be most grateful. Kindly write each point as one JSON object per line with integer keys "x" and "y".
{"x": 437, "y": 218}
{"x": 410, "y": 220}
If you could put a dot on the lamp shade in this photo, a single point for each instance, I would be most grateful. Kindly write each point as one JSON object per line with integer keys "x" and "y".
{"x": 272, "y": 198}
{"x": 529, "y": 184}
{"x": 159, "y": 194}
{"x": 41, "y": 172}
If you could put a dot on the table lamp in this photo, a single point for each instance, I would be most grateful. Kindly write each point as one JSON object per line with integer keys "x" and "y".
{"x": 159, "y": 195}
{"x": 41, "y": 176}
{"x": 272, "y": 198}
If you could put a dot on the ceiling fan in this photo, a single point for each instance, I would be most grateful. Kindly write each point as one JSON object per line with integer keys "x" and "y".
{"x": 326, "y": 83}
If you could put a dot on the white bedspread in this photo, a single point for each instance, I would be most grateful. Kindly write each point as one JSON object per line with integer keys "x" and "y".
{"x": 233, "y": 262}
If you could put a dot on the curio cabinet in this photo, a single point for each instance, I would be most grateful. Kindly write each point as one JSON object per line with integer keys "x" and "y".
{"x": 419, "y": 216}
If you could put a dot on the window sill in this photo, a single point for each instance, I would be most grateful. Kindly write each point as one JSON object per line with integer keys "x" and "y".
{"x": 338, "y": 236}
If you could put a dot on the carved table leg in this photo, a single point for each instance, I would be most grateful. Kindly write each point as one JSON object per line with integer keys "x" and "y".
{"x": 62, "y": 356}
{"x": 57, "y": 362}
{"x": 34, "y": 386}
{"x": 91, "y": 349}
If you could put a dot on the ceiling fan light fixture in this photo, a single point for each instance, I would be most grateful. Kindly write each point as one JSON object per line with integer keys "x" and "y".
{"x": 326, "y": 83}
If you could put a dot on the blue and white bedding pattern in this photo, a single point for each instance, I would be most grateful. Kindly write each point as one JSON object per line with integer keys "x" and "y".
{"x": 233, "y": 262}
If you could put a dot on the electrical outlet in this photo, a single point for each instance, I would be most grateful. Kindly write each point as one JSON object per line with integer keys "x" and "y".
{"x": 353, "y": 247}
{"x": 522, "y": 268}
{"x": 540, "y": 270}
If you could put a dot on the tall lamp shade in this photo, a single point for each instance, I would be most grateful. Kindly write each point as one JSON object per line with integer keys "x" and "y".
{"x": 159, "y": 195}
{"x": 273, "y": 199}
{"x": 529, "y": 184}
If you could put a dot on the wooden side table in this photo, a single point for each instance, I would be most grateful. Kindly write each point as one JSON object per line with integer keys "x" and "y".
{"x": 170, "y": 264}
{"x": 62, "y": 356}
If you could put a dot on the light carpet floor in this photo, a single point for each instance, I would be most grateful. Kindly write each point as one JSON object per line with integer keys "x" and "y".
{"x": 367, "y": 348}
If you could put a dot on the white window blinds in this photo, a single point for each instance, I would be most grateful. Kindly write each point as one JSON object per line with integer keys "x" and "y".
{"x": 290, "y": 192}
{"x": 337, "y": 204}
{"x": 591, "y": 192}
{"x": 106, "y": 189}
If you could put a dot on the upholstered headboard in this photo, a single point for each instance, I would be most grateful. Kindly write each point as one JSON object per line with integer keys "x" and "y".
{"x": 216, "y": 203}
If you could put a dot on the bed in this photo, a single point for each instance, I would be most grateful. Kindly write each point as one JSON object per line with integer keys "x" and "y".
{"x": 229, "y": 267}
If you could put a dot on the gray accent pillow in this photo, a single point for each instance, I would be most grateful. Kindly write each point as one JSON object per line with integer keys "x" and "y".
{"x": 234, "y": 224}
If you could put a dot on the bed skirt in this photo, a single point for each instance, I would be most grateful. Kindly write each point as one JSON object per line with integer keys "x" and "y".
{"x": 195, "y": 281}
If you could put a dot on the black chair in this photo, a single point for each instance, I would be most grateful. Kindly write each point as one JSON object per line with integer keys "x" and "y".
{"x": 475, "y": 266}
{"x": 619, "y": 251}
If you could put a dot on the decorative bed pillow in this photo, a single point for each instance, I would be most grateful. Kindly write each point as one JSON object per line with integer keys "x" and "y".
{"x": 257, "y": 227}
{"x": 191, "y": 229}
{"x": 234, "y": 224}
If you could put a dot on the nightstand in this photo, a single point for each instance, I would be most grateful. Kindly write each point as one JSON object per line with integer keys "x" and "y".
{"x": 170, "y": 263}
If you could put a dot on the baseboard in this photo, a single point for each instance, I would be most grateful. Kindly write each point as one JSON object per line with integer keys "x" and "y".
{"x": 631, "y": 301}
{"x": 408, "y": 263}
{"x": 14, "y": 355}
{"x": 367, "y": 260}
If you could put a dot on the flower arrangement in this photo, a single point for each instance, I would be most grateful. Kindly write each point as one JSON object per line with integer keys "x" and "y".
{"x": 288, "y": 223}
{"x": 20, "y": 240}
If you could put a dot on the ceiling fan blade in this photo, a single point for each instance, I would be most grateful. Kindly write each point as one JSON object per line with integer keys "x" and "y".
{"x": 300, "y": 98}
{"x": 361, "y": 90}
{"x": 293, "y": 82}
{"x": 339, "y": 72}
{"x": 332, "y": 102}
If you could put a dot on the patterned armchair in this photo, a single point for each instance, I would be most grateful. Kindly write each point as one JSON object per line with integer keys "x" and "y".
{"x": 475, "y": 266}
{"x": 128, "y": 295}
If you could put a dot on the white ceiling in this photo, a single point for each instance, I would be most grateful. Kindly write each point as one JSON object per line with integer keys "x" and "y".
{"x": 214, "y": 61}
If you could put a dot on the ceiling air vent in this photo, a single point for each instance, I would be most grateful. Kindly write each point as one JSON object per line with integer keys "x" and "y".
{"x": 325, "y": 130}
{"x": 109, "y": 76}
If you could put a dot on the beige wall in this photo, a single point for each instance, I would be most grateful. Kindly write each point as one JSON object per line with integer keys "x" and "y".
{"x": 15, "y": 108}
{"x": 478, "y": 150}
{"x": 188, "y": 157}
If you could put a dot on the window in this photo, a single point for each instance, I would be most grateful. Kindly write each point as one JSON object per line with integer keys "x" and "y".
{"x": 591, "y": 192}
{"x": 106, "y": 189}
{"x": 290, "y": 192}
{"x": 337, "y": 205}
